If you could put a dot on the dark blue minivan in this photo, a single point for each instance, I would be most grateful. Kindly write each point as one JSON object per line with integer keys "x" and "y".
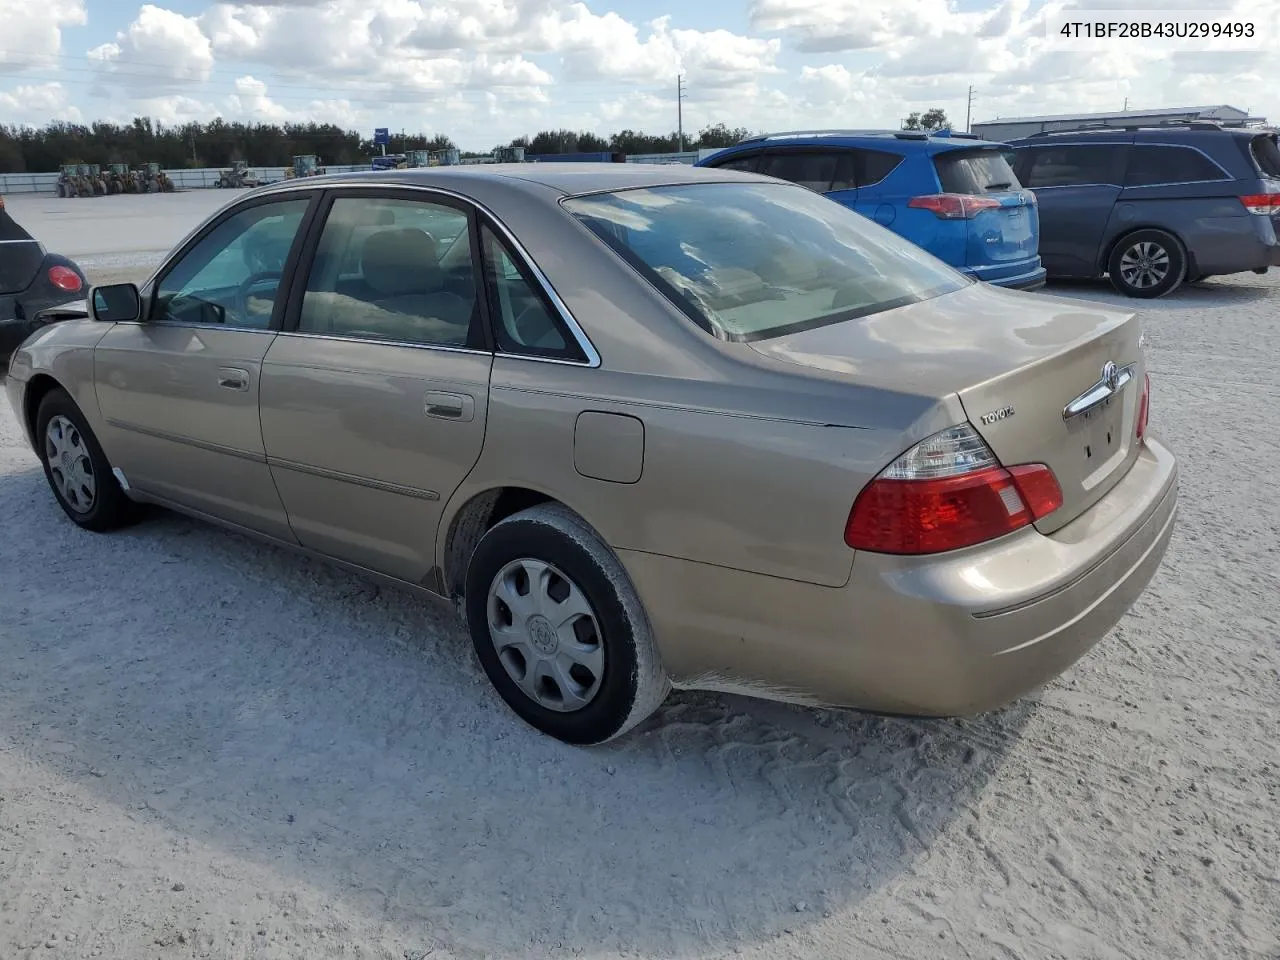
{"x": 955, "y": 196}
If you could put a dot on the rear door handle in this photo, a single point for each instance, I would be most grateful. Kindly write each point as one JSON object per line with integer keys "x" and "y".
{"x": 233, "y": 378}
{"x": 450, "y": 406}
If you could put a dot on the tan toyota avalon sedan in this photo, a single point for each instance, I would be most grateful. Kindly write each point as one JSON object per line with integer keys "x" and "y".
{"x": 647, "y": 426}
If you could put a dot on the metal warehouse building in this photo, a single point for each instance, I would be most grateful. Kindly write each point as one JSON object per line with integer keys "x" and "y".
{"x": 1010, "y": 128}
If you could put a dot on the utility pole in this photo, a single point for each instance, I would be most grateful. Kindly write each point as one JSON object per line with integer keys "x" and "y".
{"x": 680, "y": 112}
{"x": 1126, "y": 103}
{"x": 968, "y": 113}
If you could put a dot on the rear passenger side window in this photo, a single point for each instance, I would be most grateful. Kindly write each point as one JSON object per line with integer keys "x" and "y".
{"x": 1074, "y": 165}
{"x": 525, "y": 324}
{"x": 746, "y": 164}
{"x": 806, "y": 168}
{"x": 874, "y": 166}
{"x": 1150, "y": 166}
{"x": 392, "y": 269}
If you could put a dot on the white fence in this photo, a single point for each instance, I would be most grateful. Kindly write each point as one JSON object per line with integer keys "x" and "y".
{"x": 206, "y": 178}
{"x": 182, "y": 179}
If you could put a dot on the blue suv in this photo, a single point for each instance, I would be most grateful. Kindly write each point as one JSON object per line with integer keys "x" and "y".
{"x": 954, "y": 195}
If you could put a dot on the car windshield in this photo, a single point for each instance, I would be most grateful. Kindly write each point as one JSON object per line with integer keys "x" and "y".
{"x": 975, "y": 171}
{"x": 753, "y": 260}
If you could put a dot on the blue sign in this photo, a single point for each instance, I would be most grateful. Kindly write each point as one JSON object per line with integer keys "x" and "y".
{"x": 381, "y": 136}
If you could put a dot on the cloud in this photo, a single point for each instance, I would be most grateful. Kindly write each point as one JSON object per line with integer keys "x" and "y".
{"x": 31, "y": 31}
{"x": 160, "y": 51}
{"x": 37, "y": 104}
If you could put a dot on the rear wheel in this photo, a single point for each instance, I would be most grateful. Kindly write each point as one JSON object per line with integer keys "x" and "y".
{"x": 1147, "y": 264}
{"x": 559, "y": 630}
{"x": 77, "y": 469}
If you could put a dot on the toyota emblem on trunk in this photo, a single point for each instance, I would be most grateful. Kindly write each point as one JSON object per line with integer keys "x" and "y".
{"x": 1110, "y": 375}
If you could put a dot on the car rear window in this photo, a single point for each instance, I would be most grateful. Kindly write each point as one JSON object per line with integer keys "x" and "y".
{"x": 975, "y": 171}
{"x": 747, "y": 261}
{"x": 1152, "y": 165}
{"x": 1267, "y": 154}
{"x": 20, "y": 255}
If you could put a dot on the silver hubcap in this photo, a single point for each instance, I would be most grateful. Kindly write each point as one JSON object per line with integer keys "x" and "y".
{"x": 546, "y": 634}
{"x": 69, "y": 462}
{"x": 1144, "y": 265}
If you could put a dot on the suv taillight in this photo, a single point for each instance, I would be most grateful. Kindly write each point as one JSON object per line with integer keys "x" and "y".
{"x": 64, "y": 278}
{"x": 1262, "y": 204}
{"x": 953, "y": 206}
{"x": 946, "y": 492}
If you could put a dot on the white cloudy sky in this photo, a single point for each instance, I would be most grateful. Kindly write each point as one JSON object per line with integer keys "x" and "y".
{"x": 483, "y": 71}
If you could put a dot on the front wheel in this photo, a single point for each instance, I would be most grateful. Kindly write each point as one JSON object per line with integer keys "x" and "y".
{"x": 1147, "y": 264}
{"x": 559, "y": 630}
{"x": 77, "y": 469}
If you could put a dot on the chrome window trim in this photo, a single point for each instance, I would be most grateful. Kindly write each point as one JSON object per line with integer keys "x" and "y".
{"x": 1226, "y": 176}
{"x": 381, "y": 183}
{"x": 441, "y": 347}
{"x": 225, "y": 327}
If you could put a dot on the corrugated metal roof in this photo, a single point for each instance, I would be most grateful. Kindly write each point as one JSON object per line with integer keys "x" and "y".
{"x": 1118, "y": 115}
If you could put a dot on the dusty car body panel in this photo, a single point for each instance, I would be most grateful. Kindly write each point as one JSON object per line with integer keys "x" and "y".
{"x": 721, "y": 473}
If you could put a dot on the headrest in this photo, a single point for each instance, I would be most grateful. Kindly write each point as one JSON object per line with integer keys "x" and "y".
{"x": 394, "y": 261}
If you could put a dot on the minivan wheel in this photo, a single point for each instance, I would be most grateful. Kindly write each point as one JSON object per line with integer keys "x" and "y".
{"x": 1147, "y": 264}
{"x": 559, "y": 630}
{"x": 77, "y": 469}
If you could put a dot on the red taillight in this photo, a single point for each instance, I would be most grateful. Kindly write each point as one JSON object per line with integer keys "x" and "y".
{"x": 64, "y": 278}
{"x": 1263, "y": 204}
{"x": 1144, "y": 406}
{"x": 948, "y": 492}
{"x": 953, "y": 206}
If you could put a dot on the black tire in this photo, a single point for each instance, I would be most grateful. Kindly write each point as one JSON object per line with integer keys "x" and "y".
{"x": 633, "y": 684}
{"x": 109, "y": 508}
{"x": 1147, "y": 264}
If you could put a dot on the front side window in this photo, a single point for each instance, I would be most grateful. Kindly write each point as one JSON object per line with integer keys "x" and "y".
{"x": 232, "y": 275}
{"x": 392, "y": 269}
{"x": 1074, "y": 165}
{"x": 1151, "y": 166}
{"x": 526, "y": 325}
{"x": 747, "y": 261}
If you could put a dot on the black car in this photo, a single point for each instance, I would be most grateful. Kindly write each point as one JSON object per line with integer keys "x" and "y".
{"x": 31, "y": 280}
{"x": 1153, "y": 207}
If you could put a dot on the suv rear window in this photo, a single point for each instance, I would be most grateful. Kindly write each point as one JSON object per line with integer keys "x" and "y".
{"x": 746, "y": 261}
{"x": 1267, "y": 154}
{"x": 975, "y": 171}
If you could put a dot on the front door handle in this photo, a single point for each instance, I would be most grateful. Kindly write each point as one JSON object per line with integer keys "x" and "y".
{"x": 450, "y": 406}
{"x": 233, "y": 378}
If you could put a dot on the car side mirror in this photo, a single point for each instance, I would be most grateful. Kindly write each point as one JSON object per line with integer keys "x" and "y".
{"x": 115, "y": 303}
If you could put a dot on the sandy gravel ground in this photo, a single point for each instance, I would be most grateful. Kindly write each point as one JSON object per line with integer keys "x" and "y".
{"x": 213, "y": 749}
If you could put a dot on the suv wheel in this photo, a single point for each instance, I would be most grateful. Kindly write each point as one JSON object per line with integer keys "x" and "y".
{"x": 1147, "y": 264}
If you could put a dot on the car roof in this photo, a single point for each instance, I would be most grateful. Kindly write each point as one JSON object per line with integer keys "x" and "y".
{"x": 902, "y": 140}
{"x": 566, "y": 178}
{"x": 1190, "y": 133}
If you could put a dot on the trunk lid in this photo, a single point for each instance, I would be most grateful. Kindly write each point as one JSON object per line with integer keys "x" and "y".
{"x": 1016, "y": 361}
{"x": 1000, "y": 234}
{"x": 1005, "y": 233}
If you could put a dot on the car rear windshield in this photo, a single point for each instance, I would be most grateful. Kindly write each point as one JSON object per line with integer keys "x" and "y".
{"x": 1267, "y": 154}
{"x": 748, "y": 261}
{"x": 20, "y": 256}
{"x": 975, "y": 171}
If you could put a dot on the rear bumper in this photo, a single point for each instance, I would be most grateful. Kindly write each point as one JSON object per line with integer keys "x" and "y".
{"x": 1227, "y": 245}
{"x": 1023, "y": 279}
{"x": 956, "y": 634}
